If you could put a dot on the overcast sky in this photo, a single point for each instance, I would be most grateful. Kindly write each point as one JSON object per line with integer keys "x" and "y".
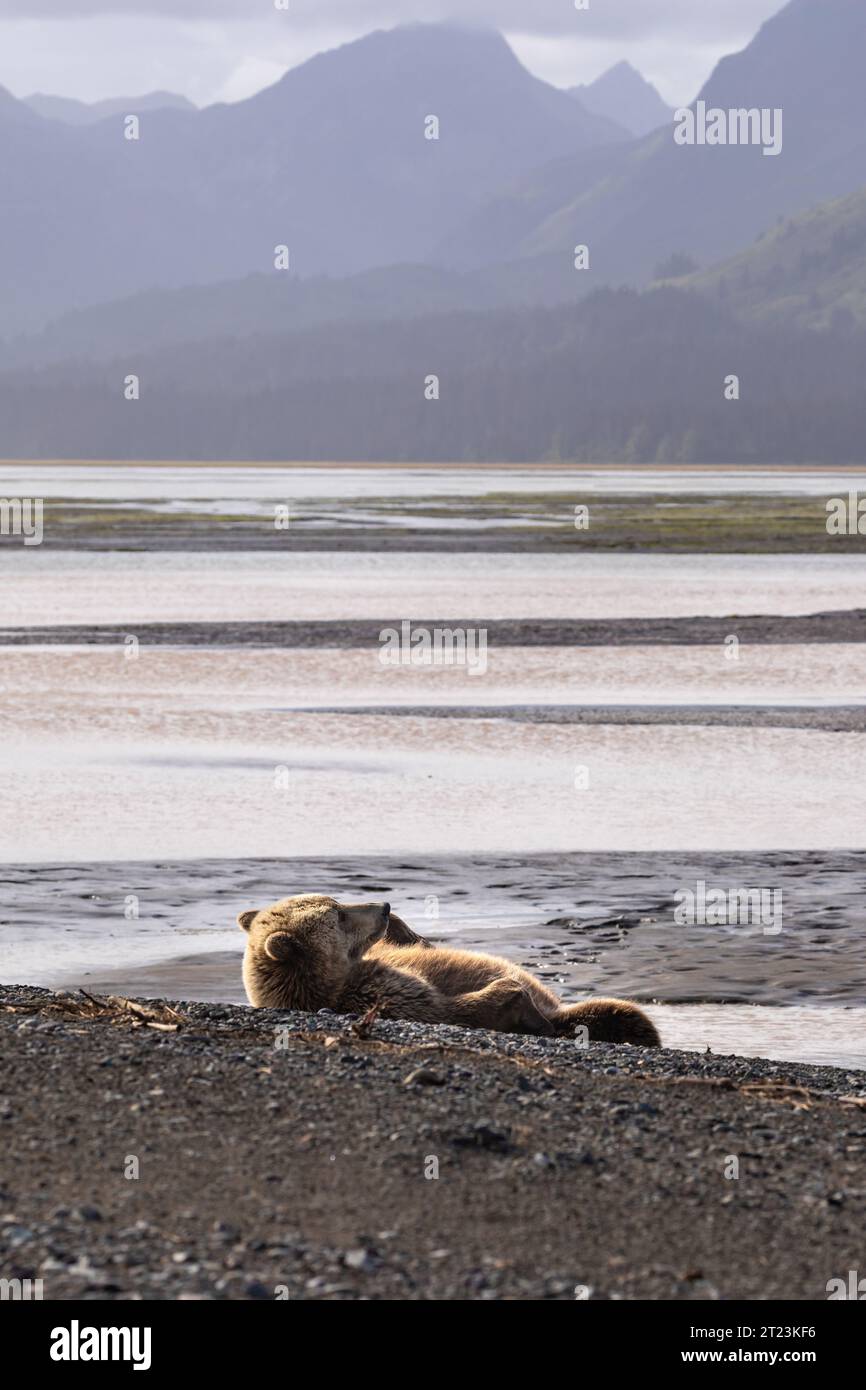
{"x": 223, "y": 50}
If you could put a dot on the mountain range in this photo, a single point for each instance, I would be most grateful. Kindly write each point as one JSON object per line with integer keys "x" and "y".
{"x": 333, "y": 161}
{"x": 454, "y": 256}
{"x": 643, "y": 202}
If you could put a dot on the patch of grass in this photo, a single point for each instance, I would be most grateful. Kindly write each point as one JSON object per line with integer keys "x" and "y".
{"x": 735, "y": 523}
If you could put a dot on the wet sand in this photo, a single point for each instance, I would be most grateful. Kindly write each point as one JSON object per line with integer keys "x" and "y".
{"x": 842, "y": 626}
{"x": 323, "y": 1162}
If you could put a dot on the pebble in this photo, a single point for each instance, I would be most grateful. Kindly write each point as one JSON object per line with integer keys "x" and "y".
{"x": 362, "y": 1260}
{"x": 424, "y": 1076}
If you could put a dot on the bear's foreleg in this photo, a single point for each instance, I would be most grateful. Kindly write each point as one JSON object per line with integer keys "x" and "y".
{"x": 504, "y": 1006}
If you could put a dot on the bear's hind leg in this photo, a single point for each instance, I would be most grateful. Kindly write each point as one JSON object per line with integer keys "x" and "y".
{"x": 608, "y": 1020}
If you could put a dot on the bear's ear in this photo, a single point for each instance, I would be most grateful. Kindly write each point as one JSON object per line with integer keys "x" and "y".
{"x": 246, "y": 919}
{"x": 282, "y": 947}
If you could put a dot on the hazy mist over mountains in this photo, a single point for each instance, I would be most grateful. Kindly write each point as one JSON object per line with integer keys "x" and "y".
{"x": 410, "y": 255}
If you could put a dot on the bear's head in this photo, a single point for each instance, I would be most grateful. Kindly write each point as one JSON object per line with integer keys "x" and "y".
{"x": 301, "y": 950}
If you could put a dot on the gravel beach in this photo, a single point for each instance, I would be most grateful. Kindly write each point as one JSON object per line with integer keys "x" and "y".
{"x": 210, "y": 1151}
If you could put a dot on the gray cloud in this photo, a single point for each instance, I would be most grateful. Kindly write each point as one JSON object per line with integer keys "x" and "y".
{"x": 626, "y": 19}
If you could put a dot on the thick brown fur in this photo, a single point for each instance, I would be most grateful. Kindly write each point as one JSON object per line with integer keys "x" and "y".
{"x": 311, "y": 952}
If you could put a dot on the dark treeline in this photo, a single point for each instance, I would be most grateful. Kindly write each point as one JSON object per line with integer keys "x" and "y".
{"x": 622, "y": 377}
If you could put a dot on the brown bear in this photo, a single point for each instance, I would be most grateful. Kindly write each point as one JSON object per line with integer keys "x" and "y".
{"x": 311, "y": 952}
